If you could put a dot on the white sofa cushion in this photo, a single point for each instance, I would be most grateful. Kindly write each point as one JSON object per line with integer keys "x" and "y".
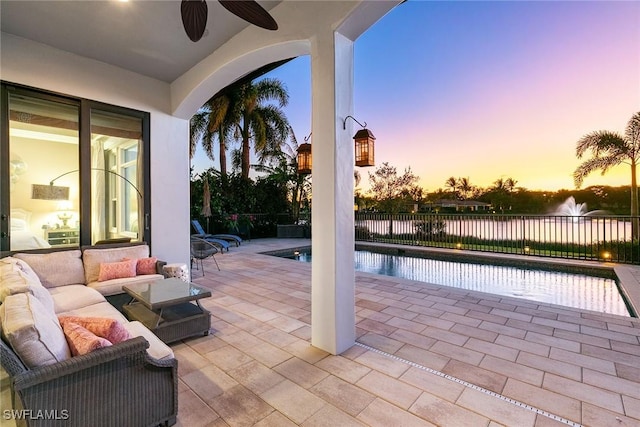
{"x": 157, "y": 349}
{"x": 102, "y": 309}
{"x": 114, "y": 286}
{"x": 12, "y": 263}
{"x": 33, "y": 332}
{"x": 93, "y": 257}
{"x": 72, "y": 297}
{"x": 56, "y": 268}
{"x": 17, "y": 277}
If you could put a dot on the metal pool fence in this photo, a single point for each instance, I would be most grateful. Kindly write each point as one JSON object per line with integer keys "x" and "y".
{"x": 602, "y": 238}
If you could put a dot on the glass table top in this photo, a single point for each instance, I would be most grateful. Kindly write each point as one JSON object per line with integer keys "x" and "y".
{"x": 166, "y": 292}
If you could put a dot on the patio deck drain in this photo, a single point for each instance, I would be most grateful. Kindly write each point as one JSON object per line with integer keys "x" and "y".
{"x": 475, "y": 387}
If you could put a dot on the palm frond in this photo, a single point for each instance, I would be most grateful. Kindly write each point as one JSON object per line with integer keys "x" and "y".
{"x": 236, "y": 159}
{"x": 633, "y": 135}
{"x": 600, "y": 143}
{"x": 290, "y": 146}
{"x": 272, "y": 89}
{"x": 592, "y": 165}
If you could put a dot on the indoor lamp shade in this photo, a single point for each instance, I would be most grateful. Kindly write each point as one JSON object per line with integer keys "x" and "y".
{"x": 304, "y": 159}
{"x": 364, "y": 144}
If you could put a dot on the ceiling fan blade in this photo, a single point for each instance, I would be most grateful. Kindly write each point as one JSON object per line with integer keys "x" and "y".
{"x": 250, "y": 11}
{"x": 194, "y": 18}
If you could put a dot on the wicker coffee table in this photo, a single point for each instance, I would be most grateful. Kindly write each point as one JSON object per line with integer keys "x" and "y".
{"x": 170, "y": 308}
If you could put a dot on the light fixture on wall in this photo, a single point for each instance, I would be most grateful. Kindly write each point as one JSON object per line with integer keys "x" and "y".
{"x": 364, "y": 144}
{"x": 304, "y": 157}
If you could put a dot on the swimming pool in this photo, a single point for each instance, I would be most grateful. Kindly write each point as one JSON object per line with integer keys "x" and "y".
{"x": 586, "y": 291}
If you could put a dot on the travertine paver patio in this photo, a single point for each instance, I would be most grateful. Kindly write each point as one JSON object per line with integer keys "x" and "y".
{"x": 258, "y": 367}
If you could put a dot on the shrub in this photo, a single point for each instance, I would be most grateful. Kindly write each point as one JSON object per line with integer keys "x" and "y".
{"x": 429, "y": 229}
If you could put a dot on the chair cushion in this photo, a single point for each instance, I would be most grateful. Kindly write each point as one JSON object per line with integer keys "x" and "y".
{"x": 22, "y": 266}
{"x": 157, "y": 349}
{"x": 34, "y": 334}
{"x": 102, "y": 309}
{"x": 82, "y": 341}
{"x": 72, "y": 297}
{"x": 93, "y": 257}
{"x": 56, "y": 268}
{"x": 104, "y": 327}
{"x": 17, "y": 277}
{"x": 117, "y": 270}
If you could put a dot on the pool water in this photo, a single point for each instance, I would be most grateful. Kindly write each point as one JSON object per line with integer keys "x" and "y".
{"x": 554, "y": 287}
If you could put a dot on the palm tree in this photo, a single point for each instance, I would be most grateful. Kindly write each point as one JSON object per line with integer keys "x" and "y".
{"x": 501, "y": 191}
{"x": 465, "y": 188}
{"x": 610, "y": 149}
{"x": 217, "y": 118}
{"x": 504, "y": 185}
{"x": 452, "y": 184}
{"x": 264, "y": 124}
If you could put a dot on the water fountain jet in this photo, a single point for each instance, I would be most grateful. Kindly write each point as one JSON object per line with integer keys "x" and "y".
{"x": 570, "y": 208}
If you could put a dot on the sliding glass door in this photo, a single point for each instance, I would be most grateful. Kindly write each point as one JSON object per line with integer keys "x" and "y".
{"x": 116, "y": 161}
{"x": 73, "y": 172}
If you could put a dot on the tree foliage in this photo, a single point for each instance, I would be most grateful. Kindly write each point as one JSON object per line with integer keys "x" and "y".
{"x": 282, "y": 168}
{"x": 262, "y": 124}
{"x": 242, "y": 113}
{"x": 392, "y": 191}
{"x": 609, "y": 149}
{"x": 216, "y": 120}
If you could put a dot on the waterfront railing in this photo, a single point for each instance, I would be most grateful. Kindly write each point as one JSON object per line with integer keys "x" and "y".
{"x": 601, "y": 238}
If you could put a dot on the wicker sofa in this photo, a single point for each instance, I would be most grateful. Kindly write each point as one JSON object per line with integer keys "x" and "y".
{"x": 129, "y": 383}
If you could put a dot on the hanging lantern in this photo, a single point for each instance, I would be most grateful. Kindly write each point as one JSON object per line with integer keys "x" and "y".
{"x": 304, "y": 159}
{"x": 364, "y": 143}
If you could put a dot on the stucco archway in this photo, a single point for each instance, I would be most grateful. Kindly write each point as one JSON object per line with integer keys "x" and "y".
{"x": 185, "y": 105}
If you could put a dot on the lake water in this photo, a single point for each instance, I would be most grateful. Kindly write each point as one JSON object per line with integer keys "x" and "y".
{"x": 541, "y": 229}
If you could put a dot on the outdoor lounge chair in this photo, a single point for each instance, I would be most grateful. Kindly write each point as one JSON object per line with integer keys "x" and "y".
{"x": 227, "y": 237}
{"x": 220, "y": 243}
{"x": 202, "y": 249}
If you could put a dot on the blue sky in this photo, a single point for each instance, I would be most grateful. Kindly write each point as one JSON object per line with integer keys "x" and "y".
{"x": 488, "y": 90}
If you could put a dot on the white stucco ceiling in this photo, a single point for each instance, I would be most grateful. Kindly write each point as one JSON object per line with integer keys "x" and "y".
{"x": 143, "y": 36}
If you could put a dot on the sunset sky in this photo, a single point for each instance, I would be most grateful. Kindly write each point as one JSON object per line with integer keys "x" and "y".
{"x": 488, "y": 90}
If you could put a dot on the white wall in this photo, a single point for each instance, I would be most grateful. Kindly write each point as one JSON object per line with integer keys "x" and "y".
{"x": 40, "y": 66}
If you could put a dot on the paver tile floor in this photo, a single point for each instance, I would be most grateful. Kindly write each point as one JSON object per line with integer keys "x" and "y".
{"x": 425, "y": 355}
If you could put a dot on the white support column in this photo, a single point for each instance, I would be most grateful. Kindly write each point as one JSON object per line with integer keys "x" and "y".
{"x": 333, "y": 275}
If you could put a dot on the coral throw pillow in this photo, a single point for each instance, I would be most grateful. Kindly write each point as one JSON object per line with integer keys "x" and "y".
{"x": 146, "y": 266}
{"x": 104, "y": 327}
{"x": 117, "y": 270}
{"x": 81, "y": 341}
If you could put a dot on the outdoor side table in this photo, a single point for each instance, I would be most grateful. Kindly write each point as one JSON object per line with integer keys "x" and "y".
{"x": 170, "y": 308}
{"x": 177, "y": 270}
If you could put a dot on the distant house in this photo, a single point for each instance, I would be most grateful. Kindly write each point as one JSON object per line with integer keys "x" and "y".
{"x": 459, "y": 205}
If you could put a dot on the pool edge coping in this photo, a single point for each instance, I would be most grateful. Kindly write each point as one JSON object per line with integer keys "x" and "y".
{"x": 628, "y": 283}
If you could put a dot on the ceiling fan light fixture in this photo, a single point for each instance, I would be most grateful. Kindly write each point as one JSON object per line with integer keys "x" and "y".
{"x": 194, "y": 18}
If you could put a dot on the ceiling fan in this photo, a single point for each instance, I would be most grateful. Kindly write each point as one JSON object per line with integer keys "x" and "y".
{"x": 194, "y": 15}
